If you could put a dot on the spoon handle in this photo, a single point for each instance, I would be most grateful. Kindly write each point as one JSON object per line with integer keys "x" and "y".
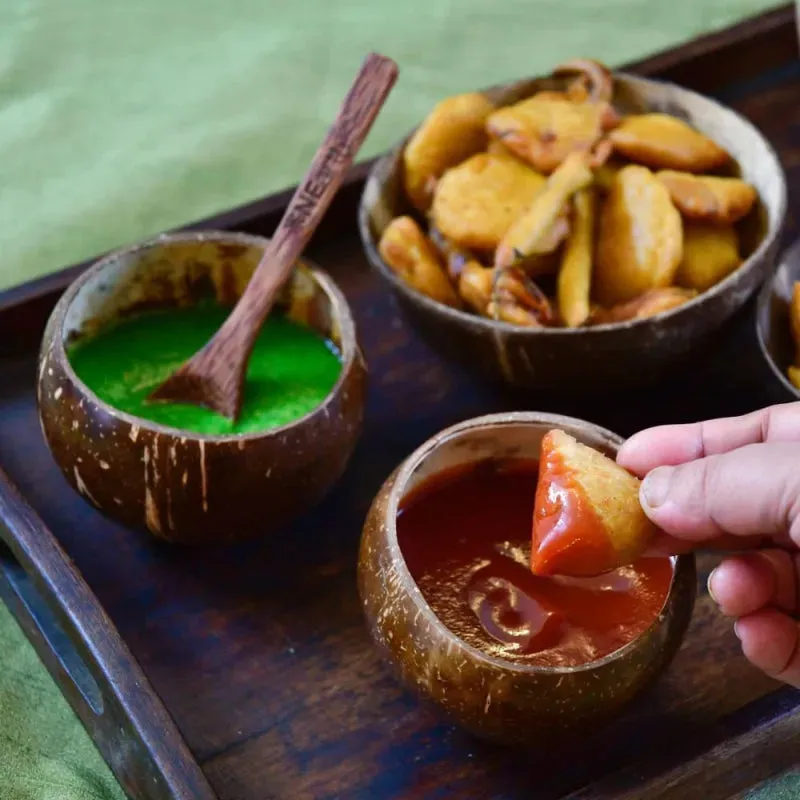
{"x": 214, "y": 376}
{"x": 317, "y": 189}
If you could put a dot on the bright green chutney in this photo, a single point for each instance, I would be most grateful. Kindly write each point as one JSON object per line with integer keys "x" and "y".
{"x": 291, "y": 369}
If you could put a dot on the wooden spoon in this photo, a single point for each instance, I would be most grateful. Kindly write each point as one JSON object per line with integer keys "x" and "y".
{"x": 214, "y": 376}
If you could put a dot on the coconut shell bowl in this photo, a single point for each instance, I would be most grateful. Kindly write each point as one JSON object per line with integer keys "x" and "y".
{"x": 618, "y": 354}
{"x": 509, "y": 703}
{"x": 182, "y": 486}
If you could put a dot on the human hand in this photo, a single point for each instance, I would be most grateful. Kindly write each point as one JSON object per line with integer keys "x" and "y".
{"x": 734, "y": 484}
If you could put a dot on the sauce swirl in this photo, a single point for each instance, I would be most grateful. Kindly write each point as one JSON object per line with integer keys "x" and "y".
{"x": 465, "y": 537}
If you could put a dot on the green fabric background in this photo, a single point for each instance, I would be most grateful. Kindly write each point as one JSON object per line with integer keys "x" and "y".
{"x": 119, "y": 119}
{"x": 45, "y": 753}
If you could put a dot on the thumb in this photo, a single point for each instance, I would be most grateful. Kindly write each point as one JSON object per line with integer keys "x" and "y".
{"x": 748, "y": 491}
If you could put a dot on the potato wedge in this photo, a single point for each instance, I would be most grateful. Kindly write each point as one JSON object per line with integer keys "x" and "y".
{"x": 409, "y": 252}
{"x": 710, "y": 253}
{"x": 640, "y": 240}
{"x": 705, "y": 198}
{"x": 454, "y": 130}
{"x": 544, "y": 129}
{"x": 542, "y": 228}
{"x": 476, "y": 202}
{"x": 664, "y": 142}
{"x": 587, "y": 517}
{"x": 573, "y": 287}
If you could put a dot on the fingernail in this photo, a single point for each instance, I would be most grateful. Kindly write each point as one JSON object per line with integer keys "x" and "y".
{"x": 710, "y": 587}
{"x": 656, "y": 486}
{"x": 737, "y": 631}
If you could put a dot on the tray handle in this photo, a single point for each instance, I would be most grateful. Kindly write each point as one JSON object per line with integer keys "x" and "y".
{"x": 86, "y": 656}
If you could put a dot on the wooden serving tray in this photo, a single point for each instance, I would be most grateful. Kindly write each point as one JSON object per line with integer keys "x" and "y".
{"x": 259, "y": 653}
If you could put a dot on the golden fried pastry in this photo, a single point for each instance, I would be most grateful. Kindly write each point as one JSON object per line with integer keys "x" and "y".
{"x": 587, "y": 518}
{"x": 705, "y": 198}
{"x": 406, "y": 249}
{"x": 544, "y": 130}
{"x": 575, "y": 276}
{"x": 518, "y": 300}
{"x": 640, "y": 241}
{"x": 710, "y": 253}
{"x": 542, "y": 228}
{"x": 453, "y": 131}
{"x": 664, "y": 142}
{"x": 476, "y": 202}
{"x": 656, "y": 301}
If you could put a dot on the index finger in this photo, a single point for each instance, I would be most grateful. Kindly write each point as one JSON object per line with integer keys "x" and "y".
{"x": 670, "y": 445}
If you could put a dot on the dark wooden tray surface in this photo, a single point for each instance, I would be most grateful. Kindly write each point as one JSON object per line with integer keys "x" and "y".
{"x": 259, "y": 652}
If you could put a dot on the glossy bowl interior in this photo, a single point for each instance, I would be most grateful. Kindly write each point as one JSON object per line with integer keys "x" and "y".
{"x": 180, "y": 485}
{"x": 772, "y": 321}
{"x": 493, "y": 698}
{"x": 627, "y": 353}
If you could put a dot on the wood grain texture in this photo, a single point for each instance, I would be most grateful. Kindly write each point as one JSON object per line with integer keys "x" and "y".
{"x": 260, "y": 651}
{"x": 722, "y": 771}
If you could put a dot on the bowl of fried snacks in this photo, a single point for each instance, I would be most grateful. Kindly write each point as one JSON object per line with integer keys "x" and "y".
{"x": 581, "y": 230}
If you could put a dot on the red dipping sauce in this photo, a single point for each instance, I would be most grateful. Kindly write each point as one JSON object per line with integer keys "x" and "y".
{"x": 465, "y": 537}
